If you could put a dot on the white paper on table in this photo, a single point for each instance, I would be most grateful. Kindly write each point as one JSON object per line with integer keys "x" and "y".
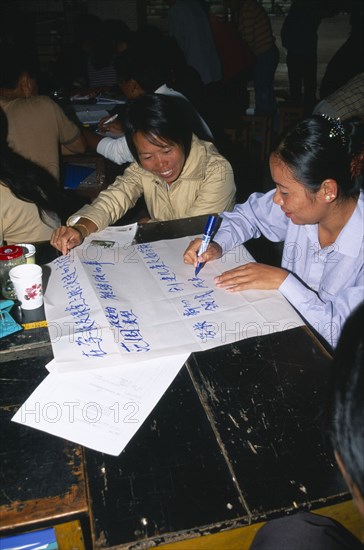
{"x": 91, "y": 116}
{"x": 101, "y": 409}
{"x": 75, "y": 318}
{"x": 123, "y": 235}
{"x": 112, "y": 135}
{"x": 109, "y": 101}
{"x": 130, "y": 303}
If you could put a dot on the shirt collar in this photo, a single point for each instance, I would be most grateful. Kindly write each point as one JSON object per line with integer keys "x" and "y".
{"x": 163, "y": 89}
{"x": 350, "y": 238}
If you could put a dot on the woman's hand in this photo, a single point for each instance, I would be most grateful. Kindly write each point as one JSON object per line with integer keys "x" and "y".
{"x": 251, "y": 276}
{"x": 115, "y": 127}
{"x": 65, "y": 238}
{"x": 190, "y": 256}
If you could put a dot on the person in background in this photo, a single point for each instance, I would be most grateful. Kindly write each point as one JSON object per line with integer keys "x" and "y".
{"x": 317, "y": 210}
{"x": 138, "y": 74}
{"x": 86, "y": 65}
{"x": 70, "y": 67}
{"x": 188, "y": 23}
{"x": 237, "y": 60}
{"x": 348, "y": 61}
{"x": 37, "y": 126}
{"x": 256, "y": 29}
{"x": 180, "y": 76}
{"x": 344, "y": 420}
{"x": 178, "y": 174}
{"x": 112, "y": 39}
{"x": 31, "y": 203}
{"x": 345, "y": 405}
{"x": 346, "y": 102}
{"x": 299, "y": 38}
{"x": 121, "y": 35}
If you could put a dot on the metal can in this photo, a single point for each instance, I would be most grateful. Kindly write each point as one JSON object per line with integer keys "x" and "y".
{"x": 10, "y": 256}
{"x": 29, "y": 252}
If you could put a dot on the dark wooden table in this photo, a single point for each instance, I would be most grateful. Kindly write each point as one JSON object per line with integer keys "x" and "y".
{"x": 43, "y": 481}
{"x": 236, "y": 440}
{"x": 42, "y": 478}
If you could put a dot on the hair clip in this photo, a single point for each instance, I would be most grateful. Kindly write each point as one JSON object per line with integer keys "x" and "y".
{"x": 337, "y": 129}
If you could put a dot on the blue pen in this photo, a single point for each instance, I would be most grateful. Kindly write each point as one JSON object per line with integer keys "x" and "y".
{"x": 207, "y": 234}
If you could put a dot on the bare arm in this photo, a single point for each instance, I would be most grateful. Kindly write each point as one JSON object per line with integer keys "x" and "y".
{"x": 78, "y": 145}
{"x": 92, "y": 139}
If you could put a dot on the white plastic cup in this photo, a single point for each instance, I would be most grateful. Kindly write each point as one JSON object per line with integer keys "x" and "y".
{"x": 27, "y": 282}
{"x": 29, "y": 252}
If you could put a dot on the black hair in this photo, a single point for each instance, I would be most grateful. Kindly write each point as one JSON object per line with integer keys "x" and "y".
{"x": 345, "y": 406}
{"x": 27, "y": 180}
{"x": 110, "y": 32}
{"x": 86, "y": 25}
{"x": 13, "y": 63}
{"x": 159, "y": 118}
{"x": 118, "y": 31}
{"x": 320, "y": 148}
{"x": 135, "y": 64}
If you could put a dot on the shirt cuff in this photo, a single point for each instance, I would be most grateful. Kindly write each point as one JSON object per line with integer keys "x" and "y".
{"x": 293, "y": 290}
{"x": 101, "y": 146}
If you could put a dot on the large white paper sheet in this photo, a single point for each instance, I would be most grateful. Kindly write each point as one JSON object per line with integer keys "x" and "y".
{"x": 123, "y": 319}
{"x": 100, "y": 409}
{"x": 78, "y": 327}
{"x": 126, "y": 304}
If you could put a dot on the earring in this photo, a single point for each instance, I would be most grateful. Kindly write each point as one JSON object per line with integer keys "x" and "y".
{"x": 327, "y": 197}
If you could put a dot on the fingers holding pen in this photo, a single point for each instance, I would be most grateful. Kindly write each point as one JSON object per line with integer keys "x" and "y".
{"x": 115, "y": 127}
{"x": 65, "y": 238}
{"x": 110, "y": 124}
{"x": 102, "y": 121}
{"x": 190, "y": 255}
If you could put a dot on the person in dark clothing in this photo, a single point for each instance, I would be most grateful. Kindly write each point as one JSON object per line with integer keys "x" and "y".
{"x": 299, "y": 38}
{"x": 348, "y": 61}
{"x": 344, "y": 416}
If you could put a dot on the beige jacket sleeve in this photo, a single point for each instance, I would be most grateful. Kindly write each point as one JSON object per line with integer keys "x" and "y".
{"x": 113, "y": 202}
{"x": 217, "y": 190}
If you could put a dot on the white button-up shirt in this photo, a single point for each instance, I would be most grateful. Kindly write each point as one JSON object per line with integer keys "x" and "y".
{"x": 324, "y": 284}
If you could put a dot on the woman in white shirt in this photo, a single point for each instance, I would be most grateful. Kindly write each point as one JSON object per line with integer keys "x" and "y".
{"x": 317, "y": 210}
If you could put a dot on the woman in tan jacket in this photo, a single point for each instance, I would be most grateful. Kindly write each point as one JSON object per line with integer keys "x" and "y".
{"x": 179, "y": 175}
{"x": 30, "y": 199}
